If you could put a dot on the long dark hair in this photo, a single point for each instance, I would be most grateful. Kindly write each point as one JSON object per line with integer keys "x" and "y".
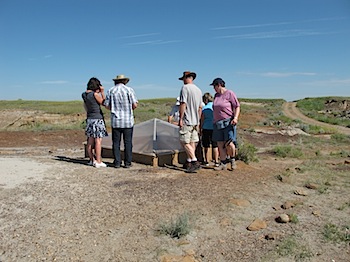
{"x": 93, "y": 84}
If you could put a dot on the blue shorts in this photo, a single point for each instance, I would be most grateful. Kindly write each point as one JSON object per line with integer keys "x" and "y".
{"x": 227, "y": 134}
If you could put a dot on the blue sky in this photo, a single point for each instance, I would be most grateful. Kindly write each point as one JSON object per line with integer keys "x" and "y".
{"x": 288, "y": 49}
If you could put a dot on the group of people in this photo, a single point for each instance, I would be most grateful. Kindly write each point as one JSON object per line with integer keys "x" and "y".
{"x": 215, "y": 123}
{"x": 213, "y": 119}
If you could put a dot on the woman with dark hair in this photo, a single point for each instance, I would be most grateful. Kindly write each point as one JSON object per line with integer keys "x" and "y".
{"x": 95, "y": 126}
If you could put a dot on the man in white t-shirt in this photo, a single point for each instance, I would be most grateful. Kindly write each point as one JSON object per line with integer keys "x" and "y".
{"x": 190, "y": 115}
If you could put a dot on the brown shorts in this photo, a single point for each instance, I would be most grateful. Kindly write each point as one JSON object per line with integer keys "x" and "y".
{"x": 188, "y": 134}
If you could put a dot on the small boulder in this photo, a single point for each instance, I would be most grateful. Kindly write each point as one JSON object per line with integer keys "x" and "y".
{"x": 272, "y": 236}
{"x": 300, "y": 192}
{"x": 240, "y": 202}
{"x": 316, "y": 213}
{"x": 283, "y": 218}
{"x": 257, "y": 224}
{"x": 311, "y": 186}
{"x": 288, "y": 205}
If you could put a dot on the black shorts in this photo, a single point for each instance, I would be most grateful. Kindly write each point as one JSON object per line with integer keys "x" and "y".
{"x": 207, "y": 138}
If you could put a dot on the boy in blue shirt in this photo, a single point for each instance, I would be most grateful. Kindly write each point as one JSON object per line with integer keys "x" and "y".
{"x": 206, "y": 128}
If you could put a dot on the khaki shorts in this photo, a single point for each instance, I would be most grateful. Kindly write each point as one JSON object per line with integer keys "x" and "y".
{"x": 188, "y": 134}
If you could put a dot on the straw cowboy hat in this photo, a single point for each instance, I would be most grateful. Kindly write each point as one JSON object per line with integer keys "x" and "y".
{"x": 188, "y": 73}
{"x": 119, "y": 78}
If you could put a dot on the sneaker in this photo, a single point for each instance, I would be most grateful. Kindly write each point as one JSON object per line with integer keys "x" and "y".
{"x": 216, "y": 164}
{"x": 233, "y": 164}
{"x": 98, "y": 165}
{"x": 205, "y": 163}
{"x": 186, "y": 165}
{"x": 191, "y": 168}
{"x": 196, "y": 164}
{"x": 91, "y": 163}
{"x": 222, "y": 166}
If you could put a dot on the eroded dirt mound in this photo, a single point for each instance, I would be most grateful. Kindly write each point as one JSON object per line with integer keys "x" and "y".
{"x": 337, "y": 108}
{"x": 23, "y": 119}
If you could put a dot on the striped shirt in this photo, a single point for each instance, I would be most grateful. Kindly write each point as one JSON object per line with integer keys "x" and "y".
{"x": 120, "y": 99}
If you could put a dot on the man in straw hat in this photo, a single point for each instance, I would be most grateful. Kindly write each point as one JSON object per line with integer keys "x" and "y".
{"x": 190, "y": 115}
{"x": 121, "y": 100}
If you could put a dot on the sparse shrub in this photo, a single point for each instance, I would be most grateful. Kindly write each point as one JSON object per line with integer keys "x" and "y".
{"x": 341, "y": 153}
{"x": 323, "y": 189}
{"x": 287, "y": 151}
{"x": 343, "y": 206}
{"x": 335, "y": 234}
{"x": 293, "y": 218}
{"x": 290, "y": 247}
{"x": 247, "y": 153}
{"x": 340, "y": 138}
{"x": 287, "y": 247}
{"x": 176, "y": 228}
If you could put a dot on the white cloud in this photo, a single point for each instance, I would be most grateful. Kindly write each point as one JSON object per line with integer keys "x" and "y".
{"x": 251, "y": 26}
{"x": 55, "y": 82}
{"x": 330, "y": 82}
{"x": 278, "y": 74}
{"x": 274, "y": 34}
{"x": 279, "y": 23}
{"x": 140, "y": 35}
{"x": 154, "y": 42}
{"x": 286, "y": 74}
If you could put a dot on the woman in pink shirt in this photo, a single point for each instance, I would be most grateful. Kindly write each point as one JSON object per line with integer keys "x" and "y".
{"x": 226, "y": 110}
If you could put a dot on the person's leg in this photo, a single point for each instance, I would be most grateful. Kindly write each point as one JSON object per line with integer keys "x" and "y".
{"x": 222, "y": 150}
{"x": 215, "y": 154}
{"x": 206, "y": 155}
{"x": 98, "y": 149}
{"x": 206, "y": 145}
{"x": 222, "y": 153}
{"x": 116, "y": 137}
{"x": 218, "y": 137}
{"x": 127, "y": 136}
{"x": 230, "y": 146}
{"x": 184, "y": 136}
{"x": 90, "y": 146}
{"x": 214, "y": 147}
{"x": 190, "y": 149}
{"x": 199, "y": 151}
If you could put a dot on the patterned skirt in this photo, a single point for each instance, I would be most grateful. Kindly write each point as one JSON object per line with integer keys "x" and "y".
{"x": 95, "y": 128}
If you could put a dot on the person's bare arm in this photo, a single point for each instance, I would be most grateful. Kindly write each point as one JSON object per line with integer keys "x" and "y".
{"x": 235, "y": 118}
{"x": 100, "y": 95}
{"x": 181, "y": 113}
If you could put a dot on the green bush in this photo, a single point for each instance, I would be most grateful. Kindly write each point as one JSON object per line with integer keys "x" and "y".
{"x": 340, "y": 138}
{"x": 247, "y": 153}
{"x": 335, "y": 234}
{"x": 176, "y": 228}
{"x": 287, "y": 151}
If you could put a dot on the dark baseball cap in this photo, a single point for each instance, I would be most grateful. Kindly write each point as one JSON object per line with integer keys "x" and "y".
{"x": 218, "y": 81}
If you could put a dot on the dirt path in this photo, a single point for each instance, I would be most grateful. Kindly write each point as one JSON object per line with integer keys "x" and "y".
{"x": 291, "y": 111}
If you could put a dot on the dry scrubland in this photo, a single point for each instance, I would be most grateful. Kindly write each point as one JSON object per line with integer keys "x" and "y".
{"x": 56, "y": 208}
